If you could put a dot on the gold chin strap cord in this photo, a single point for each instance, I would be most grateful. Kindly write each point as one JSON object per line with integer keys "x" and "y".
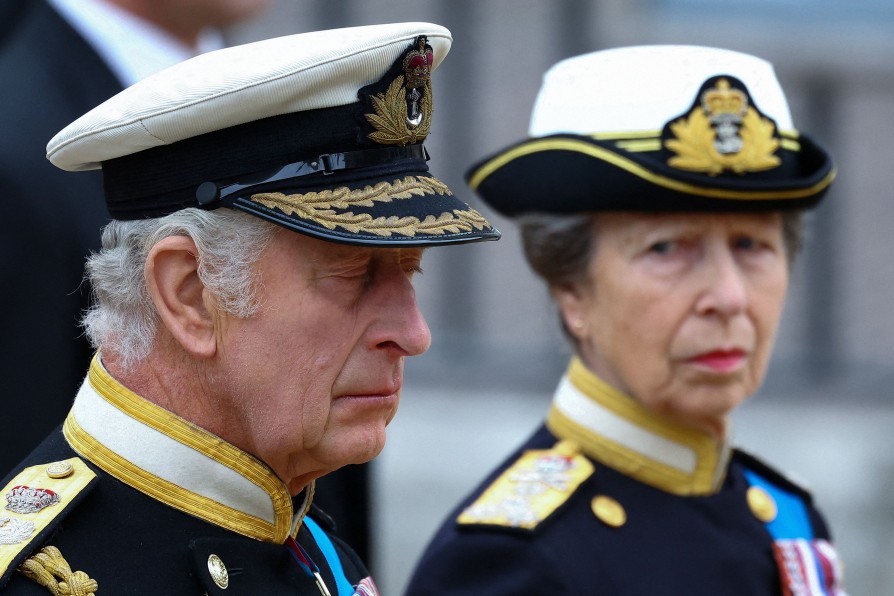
{"x": 50, "y": 569}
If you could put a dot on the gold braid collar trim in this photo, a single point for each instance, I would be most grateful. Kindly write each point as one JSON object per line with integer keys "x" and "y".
{"x": 50, "y": 569}
{"x": 194, "y": 437}
{"x": 320, "y": 207}
{"x": 593, "y": 432}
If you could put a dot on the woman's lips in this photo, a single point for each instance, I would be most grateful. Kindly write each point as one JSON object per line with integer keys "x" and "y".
{"x": 720, "y": 360}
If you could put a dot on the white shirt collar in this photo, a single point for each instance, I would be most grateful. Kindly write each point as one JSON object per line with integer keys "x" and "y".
{"x": 131, "y": 47}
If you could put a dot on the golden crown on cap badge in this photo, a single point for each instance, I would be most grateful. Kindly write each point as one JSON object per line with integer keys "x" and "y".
{"x": 403, "y": 114}
{"x": 723, "y": 132}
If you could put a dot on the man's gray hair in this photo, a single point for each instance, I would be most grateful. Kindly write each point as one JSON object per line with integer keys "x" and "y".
{"x": 123, "y": 318}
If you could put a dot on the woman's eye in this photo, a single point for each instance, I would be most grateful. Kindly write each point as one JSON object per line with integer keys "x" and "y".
{"x": 661, "y": 248}
{"x": 745, "y": 243}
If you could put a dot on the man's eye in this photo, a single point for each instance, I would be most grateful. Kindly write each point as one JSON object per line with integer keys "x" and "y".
{"x": 357, "y": 274}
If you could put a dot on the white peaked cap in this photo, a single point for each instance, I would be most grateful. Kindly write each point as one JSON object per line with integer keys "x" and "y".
{"x": 240, "y": 84}
{"x": 319, "y": 132}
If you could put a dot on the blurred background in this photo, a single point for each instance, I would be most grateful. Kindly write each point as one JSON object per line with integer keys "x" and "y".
{"x": 824, "y": 416}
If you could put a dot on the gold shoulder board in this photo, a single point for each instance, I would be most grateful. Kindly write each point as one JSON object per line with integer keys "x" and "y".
{"x": 32, "y": 502}
{"x": 531, "y": 489}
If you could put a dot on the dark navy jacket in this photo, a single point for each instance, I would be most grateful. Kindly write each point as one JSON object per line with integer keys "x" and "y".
{"x": 130, "y": 543}
{"x": 669, "y": 544}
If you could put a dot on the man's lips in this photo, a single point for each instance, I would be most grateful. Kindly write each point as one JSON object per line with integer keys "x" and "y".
{"x": 723, "y": 360}
{"x": 379, "y": 392}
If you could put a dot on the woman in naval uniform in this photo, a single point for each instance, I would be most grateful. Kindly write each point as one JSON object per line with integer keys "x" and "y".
{"x": 659, "y": 196}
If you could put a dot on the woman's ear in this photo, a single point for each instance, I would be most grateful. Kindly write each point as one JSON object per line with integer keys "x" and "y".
{"x": 572, "y": 303}
{"x": 172, "y": 279}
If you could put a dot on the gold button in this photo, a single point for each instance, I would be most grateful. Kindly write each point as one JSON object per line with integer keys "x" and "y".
{"x": 761, "y": 503}
{"x": 218, "y": 572}
{"x": 60, "y": 469}
{"x": 609, "y": 511}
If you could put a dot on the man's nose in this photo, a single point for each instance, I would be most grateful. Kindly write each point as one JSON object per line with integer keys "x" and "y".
{"x": 400, "y": 325}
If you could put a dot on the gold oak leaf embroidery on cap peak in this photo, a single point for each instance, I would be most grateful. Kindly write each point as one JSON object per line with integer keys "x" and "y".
{"x": 319, "y": 207}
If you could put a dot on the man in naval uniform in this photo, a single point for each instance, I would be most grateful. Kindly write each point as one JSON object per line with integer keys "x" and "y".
{"x": 270, "y": 204}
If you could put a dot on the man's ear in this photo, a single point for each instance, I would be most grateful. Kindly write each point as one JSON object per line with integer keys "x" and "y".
{"x": 179, "y": 296}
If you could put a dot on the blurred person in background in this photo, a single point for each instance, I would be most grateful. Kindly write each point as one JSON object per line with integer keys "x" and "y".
{"x": 659, "y": 196}
{"x": 60, "y": 58}
{"x": 254, "y": 308}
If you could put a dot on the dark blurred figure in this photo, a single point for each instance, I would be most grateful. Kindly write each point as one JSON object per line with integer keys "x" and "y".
{"x": 58, "y": 59}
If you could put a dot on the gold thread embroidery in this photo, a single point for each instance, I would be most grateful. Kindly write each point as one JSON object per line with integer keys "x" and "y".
{"x": 390, "y": 118}
{"x": 167, "y": 492}
{"x": 531, "y": 489}
{"x": 723, "y": 133}
{"x": 17, "y": 531}
{"x": 49, "y": 569}
{"x": 319, "y": 207}
{"x": 196, "y": 438}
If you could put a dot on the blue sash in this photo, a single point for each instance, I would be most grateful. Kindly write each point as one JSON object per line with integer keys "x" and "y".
{"x": 328, "y": 549}
{"x": 807, "y": 566}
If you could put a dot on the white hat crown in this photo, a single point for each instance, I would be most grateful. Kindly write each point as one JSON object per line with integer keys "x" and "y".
{"x": 640, "y": 89}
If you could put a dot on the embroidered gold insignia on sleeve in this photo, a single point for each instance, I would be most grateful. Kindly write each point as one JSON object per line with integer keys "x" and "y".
{"x": 531, "y": 489}
{"x": 34, "y": 499}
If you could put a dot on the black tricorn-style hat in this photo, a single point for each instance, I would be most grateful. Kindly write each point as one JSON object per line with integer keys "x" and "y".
{"x": 319, "y": 132}
{"x": 657, "y": 128}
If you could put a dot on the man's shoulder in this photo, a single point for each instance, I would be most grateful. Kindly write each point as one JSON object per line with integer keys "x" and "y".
{"x": 36, "y": 497}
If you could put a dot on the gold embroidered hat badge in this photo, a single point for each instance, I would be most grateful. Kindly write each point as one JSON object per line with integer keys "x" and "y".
{"x": 722, "y": 132}
{"x": 402, "y": 115}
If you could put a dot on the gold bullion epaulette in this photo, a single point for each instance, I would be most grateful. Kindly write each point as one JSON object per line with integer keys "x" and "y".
{"x": 531, "y": 489}
{"x": 36, "y": 500}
